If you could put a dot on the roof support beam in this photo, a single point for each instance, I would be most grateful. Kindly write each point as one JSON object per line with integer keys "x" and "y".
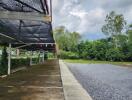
{"x": 45, "y": 2}
{"x": 1, "y": 34}
{"x": 31, "y": 25}
{"x": 19, "y": 1}
{"x": 43, "y": 6}
{"x": 23, "y": 46}
{"x": 7, "y": 36}
{"x": 24, "y": 16}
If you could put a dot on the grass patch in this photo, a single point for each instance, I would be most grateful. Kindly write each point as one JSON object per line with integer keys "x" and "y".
{"x": 97, "y": 62}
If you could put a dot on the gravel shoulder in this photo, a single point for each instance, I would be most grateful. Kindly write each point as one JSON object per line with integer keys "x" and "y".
{"x": 104, "y": 81}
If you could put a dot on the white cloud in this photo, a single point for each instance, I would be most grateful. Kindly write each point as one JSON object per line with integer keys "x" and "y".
{"x": 128, "y": 15}
{"x": 87, "y": 17}
{"x": 89, "y": 20}
{"x": 57, "y": 4}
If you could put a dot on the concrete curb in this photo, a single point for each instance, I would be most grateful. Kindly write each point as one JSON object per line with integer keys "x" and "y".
{"x": 72, "y": 88}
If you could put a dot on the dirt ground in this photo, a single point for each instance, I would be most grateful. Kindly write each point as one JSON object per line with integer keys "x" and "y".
{"x": 38, "y": 82}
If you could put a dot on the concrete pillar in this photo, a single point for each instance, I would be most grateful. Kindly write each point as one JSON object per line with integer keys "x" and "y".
{"x": 9, "y": 60}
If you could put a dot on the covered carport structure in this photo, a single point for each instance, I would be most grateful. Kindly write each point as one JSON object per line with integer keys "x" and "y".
{"x": 26, "y": 24}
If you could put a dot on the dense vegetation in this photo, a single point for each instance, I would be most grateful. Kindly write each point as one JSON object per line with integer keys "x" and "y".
{"x": 4, "y": 60}
{"x": 117, "y": 46}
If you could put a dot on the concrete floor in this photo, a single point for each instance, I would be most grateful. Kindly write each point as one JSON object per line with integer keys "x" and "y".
{"x": 39, "y": 82}
{"x": 104, "y": 81}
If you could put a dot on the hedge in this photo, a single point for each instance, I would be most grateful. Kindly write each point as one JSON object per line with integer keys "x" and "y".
{"x": 68, "y": 55}
{"x": 18, "y": 62}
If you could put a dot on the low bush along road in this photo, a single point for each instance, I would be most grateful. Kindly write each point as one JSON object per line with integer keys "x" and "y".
{"x": 104, "y": 81}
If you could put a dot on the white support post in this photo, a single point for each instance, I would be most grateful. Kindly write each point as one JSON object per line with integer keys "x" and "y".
{"x": 17, "y": 52}
{"x": 31, "y": 58}
{"x": 43, "y": 56}
{"x": 9, "y": 60}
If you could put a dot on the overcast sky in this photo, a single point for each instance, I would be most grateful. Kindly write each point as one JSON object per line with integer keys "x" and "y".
{"x": 87, "y": 16}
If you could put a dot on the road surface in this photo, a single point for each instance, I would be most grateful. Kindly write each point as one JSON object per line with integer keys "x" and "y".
{"x": 104, "y": 81}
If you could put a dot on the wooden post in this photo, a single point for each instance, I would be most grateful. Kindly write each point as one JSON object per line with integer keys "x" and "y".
{"x": 9, "y": 59}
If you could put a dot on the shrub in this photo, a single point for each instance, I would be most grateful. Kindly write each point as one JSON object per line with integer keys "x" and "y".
{"x": 18, "y": 62}
{"x": 4, "y": 60}
{"x": 68, "y": 55}
{"x": 114, "y": 54}
{"x": 45, "y": 56}
{"x": 35, "y": 60}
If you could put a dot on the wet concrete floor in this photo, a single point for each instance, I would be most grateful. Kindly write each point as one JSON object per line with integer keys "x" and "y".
{"x": 38, "y": 82}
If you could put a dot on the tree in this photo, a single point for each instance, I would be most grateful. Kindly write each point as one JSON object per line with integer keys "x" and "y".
{"x": 114, "y": 54}
{"x": 84, "y": 49}
{"x": 66, "y": 40}
{"x": 129, "y": 32}
{"x": 61, "y": 37}
{"x": 99, "y": 49}
{"x": 114, "y": 24}
{"x": 74, "y": 38}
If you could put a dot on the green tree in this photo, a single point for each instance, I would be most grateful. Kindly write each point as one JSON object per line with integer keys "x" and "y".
{"x": 114, "y": 54}
{"x": 66, "y": 40}
{"x": 99, "y": 49}
{"x": 61, "y": 37}
{"x": 129, "y": 32}
{"x": 84, "y": 49}
{"x": 114, "y": 24}
{"x": 93, "y": 49}
{"x": 74, "y": 38}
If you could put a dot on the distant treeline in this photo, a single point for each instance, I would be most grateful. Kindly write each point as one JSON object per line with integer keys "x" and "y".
{"x": 116, "y": 47}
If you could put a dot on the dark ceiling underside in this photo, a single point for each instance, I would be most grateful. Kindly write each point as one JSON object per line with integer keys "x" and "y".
{"x": 25, "y": 31}
{"x": 40, "y": 6}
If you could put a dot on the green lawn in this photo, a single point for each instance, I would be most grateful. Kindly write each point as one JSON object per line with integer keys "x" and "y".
{"x": 98, "y": 62}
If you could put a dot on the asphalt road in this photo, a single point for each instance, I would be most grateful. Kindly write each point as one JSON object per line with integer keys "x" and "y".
{"x": 104, "y": 81}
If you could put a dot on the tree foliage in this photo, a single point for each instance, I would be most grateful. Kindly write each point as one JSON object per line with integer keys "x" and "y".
{"x": 129, "y": 32}
{"x": 114, "y": 24}
{"x": 103, "y": 49}
{"x": 66, "y": 40}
